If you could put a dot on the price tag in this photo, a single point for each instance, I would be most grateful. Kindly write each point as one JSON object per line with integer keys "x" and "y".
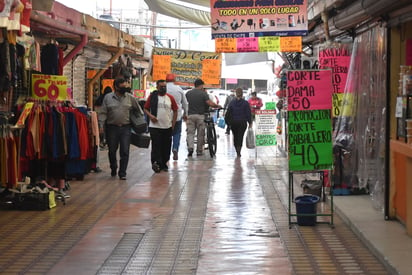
{"x": 225, "y": 45}
{"x": 49, "y": 87}
{"x": 24, "y": 114}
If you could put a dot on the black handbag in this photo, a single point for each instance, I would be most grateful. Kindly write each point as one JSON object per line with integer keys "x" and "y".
{"x": 138, "y": 121}
{"x": 140, "y": 140}
{"x": 228, "y": 116}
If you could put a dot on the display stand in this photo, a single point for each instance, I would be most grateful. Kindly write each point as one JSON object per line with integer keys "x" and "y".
{"x": 310, "y": 141}
{"x": 323, "y": 193}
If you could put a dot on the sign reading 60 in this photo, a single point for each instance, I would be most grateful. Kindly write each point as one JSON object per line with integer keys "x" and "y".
{"x": 49, "y": 87}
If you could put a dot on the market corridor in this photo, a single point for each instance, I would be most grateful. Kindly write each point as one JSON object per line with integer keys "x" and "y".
{"x": 204, "y": 216}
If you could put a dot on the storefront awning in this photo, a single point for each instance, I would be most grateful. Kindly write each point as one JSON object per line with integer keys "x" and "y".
{"x": 187, "y": 13}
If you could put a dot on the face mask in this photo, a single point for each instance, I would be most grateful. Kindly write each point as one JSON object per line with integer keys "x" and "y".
{"x": 162, "y": 90}
{"x": 124, "y": 90}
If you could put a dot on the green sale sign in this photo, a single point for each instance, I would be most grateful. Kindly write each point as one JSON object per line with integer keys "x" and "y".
{"x": 310, "y": 140}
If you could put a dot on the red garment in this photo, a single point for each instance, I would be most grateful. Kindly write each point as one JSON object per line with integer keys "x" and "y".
{"x": 25, "y": 15}
{"x": 255, "y": 104}
{"x": 30, "y": 152}
{"x": 81, "y": 123}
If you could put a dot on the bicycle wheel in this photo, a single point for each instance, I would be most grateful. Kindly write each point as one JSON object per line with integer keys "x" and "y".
{"x": 211, "y": 140}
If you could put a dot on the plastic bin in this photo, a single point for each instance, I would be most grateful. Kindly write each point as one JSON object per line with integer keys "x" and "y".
{"x": 306, "y": 204}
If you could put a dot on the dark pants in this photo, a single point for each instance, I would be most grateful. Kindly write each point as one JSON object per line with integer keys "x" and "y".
{"x": 161, "y": 145}
{"x": 238, "y": 129}
{"x": 228, "y": 128}
{"x": 118, "y": 135}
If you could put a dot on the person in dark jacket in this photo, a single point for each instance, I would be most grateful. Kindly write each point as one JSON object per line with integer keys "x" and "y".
{"x": 241, "y": 117}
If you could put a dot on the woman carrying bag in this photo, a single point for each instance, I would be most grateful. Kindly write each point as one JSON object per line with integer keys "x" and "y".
{"x": 241, "y": 116}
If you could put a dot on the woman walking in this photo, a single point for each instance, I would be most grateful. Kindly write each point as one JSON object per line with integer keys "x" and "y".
{"x": 241, "y": 117}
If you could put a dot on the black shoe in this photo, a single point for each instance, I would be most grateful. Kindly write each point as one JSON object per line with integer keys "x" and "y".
{"x": 122, "y": 177}
{"x": 114, "y": 173}
{"x": 156, "y": 167}
{"x": 97, "y": 170}
{"x": 165, "y": 168}
{"x": 190, "y": 153}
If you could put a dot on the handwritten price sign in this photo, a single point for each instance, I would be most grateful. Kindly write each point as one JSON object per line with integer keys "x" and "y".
{"x": 26, "y": 111}
{"x": 310, "y": 140}
{"x": 49, "y": 87}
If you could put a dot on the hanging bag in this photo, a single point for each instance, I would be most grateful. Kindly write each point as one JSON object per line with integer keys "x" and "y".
{"x": 221, "y": 122}
{"x": 250, "y": 138}
{"x": 137, "y": 120}
{"x": 228, "y": 116}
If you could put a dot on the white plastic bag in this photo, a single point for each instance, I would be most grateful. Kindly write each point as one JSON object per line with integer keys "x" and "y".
{"x": 250, "y": 138}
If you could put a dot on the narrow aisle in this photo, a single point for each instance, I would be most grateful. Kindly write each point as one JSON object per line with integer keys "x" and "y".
{"x": 239, "y": 235}
{"x": 204, "y": 216}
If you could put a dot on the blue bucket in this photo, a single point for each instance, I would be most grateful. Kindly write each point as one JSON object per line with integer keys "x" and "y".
{"x": 306, "y": 204}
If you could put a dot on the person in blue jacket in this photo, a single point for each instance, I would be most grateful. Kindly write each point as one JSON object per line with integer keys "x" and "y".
{"x": 241, "y": 117}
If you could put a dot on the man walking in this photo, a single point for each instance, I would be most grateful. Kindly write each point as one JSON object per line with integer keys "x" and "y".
{"x": 161, "y": 109}
{"x": 199, "y": 103}
{"x": 180, "y": 98}
{"x": 114, "y": 119}
{"x": 229, "y": 99}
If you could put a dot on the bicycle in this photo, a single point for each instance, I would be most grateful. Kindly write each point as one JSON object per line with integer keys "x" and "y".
{"x": 211, "y": 134}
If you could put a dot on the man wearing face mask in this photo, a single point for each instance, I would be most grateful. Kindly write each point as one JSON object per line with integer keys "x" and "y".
{"x": 115, "y": 119}
{"x": 161, "y": 109}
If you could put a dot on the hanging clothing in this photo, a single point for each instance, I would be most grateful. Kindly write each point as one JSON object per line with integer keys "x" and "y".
{"x": 49, "y": 56}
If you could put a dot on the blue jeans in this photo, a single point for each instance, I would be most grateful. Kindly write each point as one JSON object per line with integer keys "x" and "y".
{"x": 177, "y": 132}
{"x": 118, "y": 135}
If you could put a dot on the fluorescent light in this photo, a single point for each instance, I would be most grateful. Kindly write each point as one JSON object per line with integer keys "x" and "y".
{"x": 189, "y": 5}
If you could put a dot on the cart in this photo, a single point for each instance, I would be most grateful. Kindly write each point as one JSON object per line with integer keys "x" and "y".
{"x": 310, "y": 192}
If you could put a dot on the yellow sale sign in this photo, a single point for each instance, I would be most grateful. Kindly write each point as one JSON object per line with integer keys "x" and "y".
{"x": 49, "y": 87}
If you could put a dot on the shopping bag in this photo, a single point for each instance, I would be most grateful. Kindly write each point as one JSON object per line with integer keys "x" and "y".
{"x": 140, "y": 140}
{"x": 250, "y": 138}
{"x": 138, "y": 121}
{"x": 221, "y": 122}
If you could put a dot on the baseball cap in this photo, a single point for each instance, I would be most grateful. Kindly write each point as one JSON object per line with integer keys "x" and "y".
{"x": 170, "y": 77}
{"x": 198, "y": 82}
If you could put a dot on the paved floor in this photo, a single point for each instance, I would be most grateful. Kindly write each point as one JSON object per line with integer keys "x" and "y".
{"x": 204, "y": 216}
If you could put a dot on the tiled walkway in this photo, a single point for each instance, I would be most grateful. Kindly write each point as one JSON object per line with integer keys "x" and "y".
{"x": 204, "y": 216}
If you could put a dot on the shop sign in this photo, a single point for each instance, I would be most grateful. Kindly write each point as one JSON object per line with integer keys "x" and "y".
{"x": 187, "y": 66}
{"x": 49, "y": 87}
{"x": 310, "y": 140}
{"x": 309, "y": 89}
{"x": 141, "y": 94}
{"x": 259, "y": 44}
{"x": 265, "y": 127}
{"x": 240, "y": 19}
